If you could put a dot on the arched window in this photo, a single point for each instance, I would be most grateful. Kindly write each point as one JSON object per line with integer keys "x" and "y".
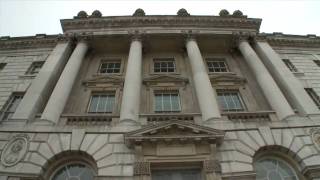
{"x": 270, "y": 168}
{"x": 74, "y": 171}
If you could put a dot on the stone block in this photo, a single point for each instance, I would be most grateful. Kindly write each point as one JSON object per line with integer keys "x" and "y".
{"x": 287, "y": 138}
{"x": 76, "y": 139}
{"x": 104, "y": 151}
{"x": 267, "y": 135}
{"x": 87, "y": 141}
{"x": 34, "y": 146}
{"x": 257, "y": 137}
{"x": 277, "y": 136}
{"x": 54, "y": 142}
{"x": 121, "y": 148}
{"x": 37, "y": 159}
{"x": 110, "y": 171}
{"x": 99, "y": 142}
{"x": 116, "y": 138}
{"x": 127, "y": 170}
{"x": 248, "y": 140}
{"x": 245, "y": 149}
{"x": 45, "y": 151}
{"x": 65, "y": 141}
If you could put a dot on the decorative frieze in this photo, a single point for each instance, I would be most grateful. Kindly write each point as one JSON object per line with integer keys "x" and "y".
{"x": 315, "y": 136}
{"x": 38, "y": 41}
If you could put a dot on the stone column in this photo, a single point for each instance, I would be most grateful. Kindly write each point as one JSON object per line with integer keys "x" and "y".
{"x": 41, "y": 87}
{"x": 268, "y": 86}
{"x": 286, "y": 80}
{"x": 130, "y": 105}
{"x": 206, "y": 96}
{"x": 61, "y": 92}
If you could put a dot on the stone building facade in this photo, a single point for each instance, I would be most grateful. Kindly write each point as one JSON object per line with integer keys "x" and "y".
{"x": 160, "y": 97}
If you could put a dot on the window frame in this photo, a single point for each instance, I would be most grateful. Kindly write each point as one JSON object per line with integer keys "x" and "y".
{"x": 217, "y": 59}
{"x": 314, "y": 96}
{"x": 239, "y": 96}
{"x": 171, "y": 91}
{"x": 110, "y": 60}
{"x": 8, "y": 105}
{"x": 290, "y": 65}
{"x": 173, "y": 59}
{"x": 58, "y": 168}
{"x": 31, "y": 70}
{"x": 114, "y": 93}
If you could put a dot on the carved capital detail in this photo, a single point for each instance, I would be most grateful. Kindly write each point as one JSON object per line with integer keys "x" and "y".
{"x": 239, "y": 36}
{"x": 141, "y": 168}
{"x": 136, "y": 35}
{"x": 210, "y": 166}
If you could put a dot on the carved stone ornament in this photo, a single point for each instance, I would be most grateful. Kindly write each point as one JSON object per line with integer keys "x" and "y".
{"x": 141, "y": 168}
{"x": 183, "y": 12}
{"x": 139, "y": 12}
{"x": 315, "y": 136}
{"x": 15, "y": 150}
{"x": 210, "y": 166}
{"x": 224, "y": 12}
{"x": 96, "y": 14}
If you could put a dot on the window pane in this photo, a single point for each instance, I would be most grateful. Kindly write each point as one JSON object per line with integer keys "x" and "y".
{"x": 164, "y": 65}
{"x": 216, "y": 65}
{"x": 110, "y": 67}
{"x": 167, "y": 102}
{"x": 102, "y": 103}
{"x": 175, "y": 103}
{"x": 158, "y": 103}
{"x": 94, "y": 103}
{"x": 229, "y": 100}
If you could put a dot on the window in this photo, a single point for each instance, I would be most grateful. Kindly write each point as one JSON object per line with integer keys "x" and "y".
{"x": 101, "y": 103}
{"x": 167, "y": 101}
{"x": 317, "y": 62}
{"x": 217, "y": 65}
{"x": 2, "y": 65}
{"x": 314, "y": 96}
{"x": 11, "y": 106}
{"x": 35, "y": 67}
{"x": 274, "y": 169}
{"x": 164, "y": 65}
{"x": 110, "y": 67}
{"x": 176, "y": 174}
{"x": 230, "y": 100}
{"x": 74, "y": 171}
{"x": 289, "y": 64}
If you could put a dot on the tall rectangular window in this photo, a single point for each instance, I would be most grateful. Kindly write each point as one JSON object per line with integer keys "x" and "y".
{"x": 289, "y": 64}
{"x": 164, "y": 65}
{"x": 110, "y": 67}
{"x": 101, "y": 103}
{"x": 35, "y": 67}
{"x": 167, "y": 101}
{"x": 11, "y": 106}
{"x": 317, "y": 62}
{"x": 230, "y": 100}
{"x": 314, "y": 96}
{"x": 217, "y": 65}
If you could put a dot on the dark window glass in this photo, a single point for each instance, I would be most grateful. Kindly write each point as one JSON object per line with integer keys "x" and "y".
{"x": 230, "y": 100}
{"x": 35, "y": 67}
{"x": 164, "y": 65}
{"x": 110, "y": 67}
{"x": 167, "y": 101}
{"x": 101, "y": 103}
{"x": 11, "y": 106}
{"x": 314, "y": 96}
{"x": 217, "y": 65}
{"x": 289, "y": 64}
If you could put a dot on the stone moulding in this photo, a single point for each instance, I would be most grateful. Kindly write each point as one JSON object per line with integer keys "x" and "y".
{"x": 160, "y": 21}
{"x": 293, "y": 41}
{"x": 31, "y": 42}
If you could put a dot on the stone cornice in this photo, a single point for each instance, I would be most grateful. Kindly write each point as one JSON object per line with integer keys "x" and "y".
{"x": 38, "y": 41}
{"x": 70, "y": 25}
{"x": 279, "y": 39}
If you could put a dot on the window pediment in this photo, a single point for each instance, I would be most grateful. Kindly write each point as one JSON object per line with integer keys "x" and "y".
{"x": 174, "y": 130}
{"x": 103, "y": 81}
{"x": 231, "y": 79}
{"x": 162, "y": 80}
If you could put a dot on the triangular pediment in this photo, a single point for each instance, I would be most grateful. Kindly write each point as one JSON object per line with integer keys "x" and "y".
{"x": 103, "y": 79}
{"x": 230, "y": 78}
{"x": 175, "y": 130}
{"x": 153, "y": 80}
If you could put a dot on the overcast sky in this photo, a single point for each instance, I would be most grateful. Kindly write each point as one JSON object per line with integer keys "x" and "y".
{"x": 30, "y": 17}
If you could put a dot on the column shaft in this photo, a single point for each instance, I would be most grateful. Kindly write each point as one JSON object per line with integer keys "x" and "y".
{"x": 41, "y": 87}
{"x": 206, "y": 96}
{"x": 269, "y": 87}
{"x": 63, "y": 88}
{"x": 287, "y": 81}
{"x": 130, "y": 104}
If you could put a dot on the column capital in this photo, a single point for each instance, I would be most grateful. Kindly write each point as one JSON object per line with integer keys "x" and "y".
{"x": 136, "y": 35}
{"x": 260, "y": 38}
{"x": 239, "y": 36}
{"x": 190, "y": 35}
